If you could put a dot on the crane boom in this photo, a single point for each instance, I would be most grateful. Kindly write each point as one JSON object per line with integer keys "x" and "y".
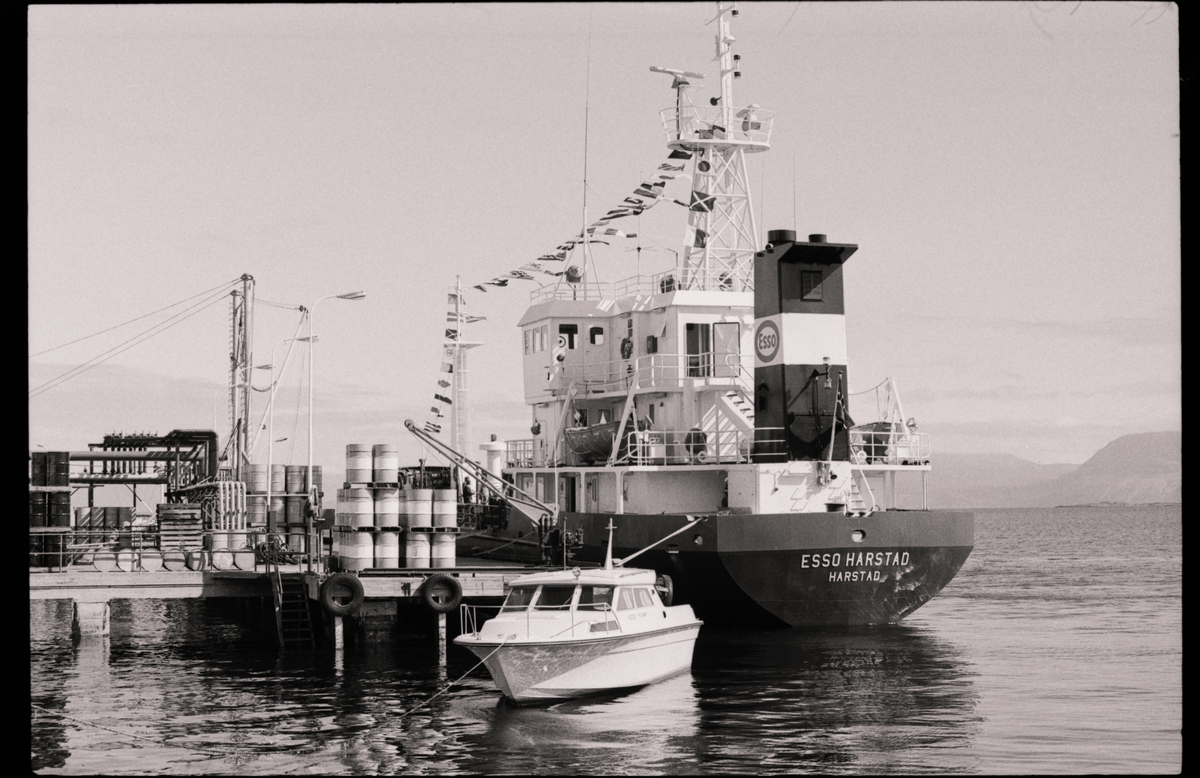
{"x": 533, "y": 509}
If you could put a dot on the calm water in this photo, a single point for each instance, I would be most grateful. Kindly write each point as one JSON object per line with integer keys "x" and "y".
{"x": 1057, "y": 649}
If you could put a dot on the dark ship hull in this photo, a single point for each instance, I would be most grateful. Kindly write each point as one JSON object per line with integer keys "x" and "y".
{"x": 778, "y": 569}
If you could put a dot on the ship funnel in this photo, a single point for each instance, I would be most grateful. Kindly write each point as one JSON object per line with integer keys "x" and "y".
{"x": 800, "y": 388}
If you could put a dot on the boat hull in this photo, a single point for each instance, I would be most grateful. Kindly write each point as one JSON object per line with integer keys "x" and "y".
{"x": 808, "y": 569}
{"x": 529, "y": 672}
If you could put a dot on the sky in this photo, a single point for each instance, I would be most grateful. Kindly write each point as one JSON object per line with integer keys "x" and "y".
{"x": 1009, "y": 170}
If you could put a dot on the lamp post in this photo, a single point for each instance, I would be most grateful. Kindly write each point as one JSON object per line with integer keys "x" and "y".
{"x": 271, "y": 425}
{"x": 311, "y": 353}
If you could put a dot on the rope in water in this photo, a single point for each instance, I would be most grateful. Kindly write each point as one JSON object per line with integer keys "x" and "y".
{"x": 446, "y": 688}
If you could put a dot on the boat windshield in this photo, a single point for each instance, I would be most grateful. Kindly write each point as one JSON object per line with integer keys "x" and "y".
{"x": 555, "y": 598}
{"x": 634, "y": 598}
{"x": 595, "y": 598}
{"x": 519, "y": 599}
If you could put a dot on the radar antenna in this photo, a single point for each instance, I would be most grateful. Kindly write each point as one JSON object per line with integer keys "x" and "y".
{"x": 722, "y": 235}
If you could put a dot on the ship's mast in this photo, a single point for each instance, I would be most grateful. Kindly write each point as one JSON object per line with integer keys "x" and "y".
{"x": 723, "y": 234}
{"x": 460, "y": 412}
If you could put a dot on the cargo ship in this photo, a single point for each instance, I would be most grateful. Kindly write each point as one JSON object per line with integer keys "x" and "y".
{"x": 716, "y": 395}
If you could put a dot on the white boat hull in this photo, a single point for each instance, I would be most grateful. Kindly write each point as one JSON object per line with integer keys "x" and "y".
{"x": 540, "y": 671}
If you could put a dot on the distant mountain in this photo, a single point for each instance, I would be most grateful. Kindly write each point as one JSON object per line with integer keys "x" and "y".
{"x": 1139, "y": 468}
{"x": 1146, "y": 467}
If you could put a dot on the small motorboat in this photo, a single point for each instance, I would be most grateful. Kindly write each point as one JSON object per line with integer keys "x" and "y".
{"x": 573, "y": 633}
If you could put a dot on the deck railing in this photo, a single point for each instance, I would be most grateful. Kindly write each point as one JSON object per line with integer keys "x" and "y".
{"x": 695, "y": 447}
{"x": 707, "y": 124}
{"x": 659, "y": 371}
{"x": 469, "y": 617}
{"x": 732, "y": 279}
{"x": 882, "y": 443}
{"x": 135, "y": 550}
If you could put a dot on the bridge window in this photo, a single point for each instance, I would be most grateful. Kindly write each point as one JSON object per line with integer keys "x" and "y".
{"x": 596, "y": 336}
{"x": 570, "y": 331}
{"x": 810, "y": 285}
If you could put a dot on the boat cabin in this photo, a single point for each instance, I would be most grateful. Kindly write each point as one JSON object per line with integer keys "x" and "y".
{"x": 545, "y": 605}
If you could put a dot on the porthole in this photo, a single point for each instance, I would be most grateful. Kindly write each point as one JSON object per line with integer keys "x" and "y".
{"x": 858, "y": 536}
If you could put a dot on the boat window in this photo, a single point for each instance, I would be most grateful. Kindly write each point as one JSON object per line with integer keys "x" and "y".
{"x": 528, "y": 333}
{"x": 596, "y": 335}
{"x": 643, "y": 598}
{"x": 626, "y": 600}
{"x": 555, "y": 598}
{"x": 519, "y": 599}
{"x": 595, "y": 597}
{"x": 543, "y": 333}
{"x": 569, "y": 331}
{"x": 810, "y": 285}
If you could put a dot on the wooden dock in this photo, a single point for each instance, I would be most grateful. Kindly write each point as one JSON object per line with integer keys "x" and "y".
{"x": 384, "y": 591}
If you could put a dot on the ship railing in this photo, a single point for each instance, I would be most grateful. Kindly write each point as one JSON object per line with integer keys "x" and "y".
{"x": 147, "y": 549}
{"x": 708, "y": 126}
{"x": 888, "y": 443}
{"x": 586, "y": 291}
{"x": 472, "y": 617}
{"x": 659, "y": 371}
{"x": 738, "y": 278}
{"x": 483, "y": 515}
{"x": 690, "y": 447}
{"x": 519, "y": 453}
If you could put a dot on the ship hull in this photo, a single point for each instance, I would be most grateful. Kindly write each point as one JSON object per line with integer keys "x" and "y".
{"x": 808, "y": 569}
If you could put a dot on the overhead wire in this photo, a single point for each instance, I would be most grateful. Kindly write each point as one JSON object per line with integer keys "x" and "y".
{"x": 128, "y": 344}
{"x": 272, "y": 303}
{"x": 224, "y": 286}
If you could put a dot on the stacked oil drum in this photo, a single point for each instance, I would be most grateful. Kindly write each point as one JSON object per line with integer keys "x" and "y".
{"x": 49, "y": 507}
{"x": 280, "y": 491}
{"x": 375, "y": 512}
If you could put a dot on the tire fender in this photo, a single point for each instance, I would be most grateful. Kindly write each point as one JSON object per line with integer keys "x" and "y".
{"x": 341, "y": 594}
{"x": 441, "y": 593}
{"x": 666, "y": 589}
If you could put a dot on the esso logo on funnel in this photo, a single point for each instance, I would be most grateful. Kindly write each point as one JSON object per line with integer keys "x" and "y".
{"x": 766, "y": 341}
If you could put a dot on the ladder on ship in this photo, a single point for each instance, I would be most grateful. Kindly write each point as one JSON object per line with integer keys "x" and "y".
{"x": 293, "y": 620}
{"x": 857, "y": 505}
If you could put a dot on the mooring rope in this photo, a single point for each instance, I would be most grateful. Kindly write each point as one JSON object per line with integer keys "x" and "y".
{"x": 157, "y": 741}
{"x": 447, "y": 687}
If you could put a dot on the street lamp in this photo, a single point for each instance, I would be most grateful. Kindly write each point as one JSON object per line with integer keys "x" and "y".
{"x": 311, "y": 353}
{"x": 271, "y": 419}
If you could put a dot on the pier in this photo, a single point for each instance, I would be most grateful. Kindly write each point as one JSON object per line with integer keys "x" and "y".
{"x": 391, "y": 599}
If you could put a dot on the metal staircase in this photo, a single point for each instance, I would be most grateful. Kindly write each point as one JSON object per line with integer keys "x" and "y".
{"x": 293, "y": 621}
{"x": 743, "y": 405}
{"x": 857, "y": 506}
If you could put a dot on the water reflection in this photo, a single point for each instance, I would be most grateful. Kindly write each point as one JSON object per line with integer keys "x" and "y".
{"x": 882, "y": 699}
{"x": 651, "y": 730}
